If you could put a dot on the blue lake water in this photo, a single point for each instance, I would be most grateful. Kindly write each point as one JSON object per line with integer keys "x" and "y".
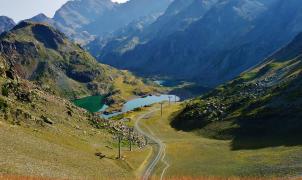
{"x": 141, "y": 102}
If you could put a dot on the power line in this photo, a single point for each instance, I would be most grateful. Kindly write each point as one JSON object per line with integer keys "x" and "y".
{"x": 119, "y": 146}
{"x": 130, "y": 139}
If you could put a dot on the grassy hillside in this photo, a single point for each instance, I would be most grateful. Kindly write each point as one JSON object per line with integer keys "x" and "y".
{"x": 44, "y": 134}
{"x": 262, "y": 107}
{"x": 41, "y": 54}
{"x": 191, "y": 156}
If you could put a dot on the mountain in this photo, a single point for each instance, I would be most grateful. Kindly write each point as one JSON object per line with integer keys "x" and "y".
{"x": 43, "y": 55}
{"x": 178, "y": 16}
{"x": 75, "y": 14}
{"x": 219, "y": 43}
{"x": 83, "y": 20}
{"x": 260, "y": 108}
{"x": 25, "y": 103}
{"x": 6, "y": 24}
{"x": 39, "y": 127}
{"x": 42, "y": 18}
{"x": 124, "y": 14}
{"x": 30, "y": 118}
{"x": 78, "y": 36}
{"x": 122, "y": 39}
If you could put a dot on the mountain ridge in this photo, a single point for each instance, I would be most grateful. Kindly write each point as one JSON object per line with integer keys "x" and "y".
{"x": 84, "y": 20}
{"x": 6, "y": 23}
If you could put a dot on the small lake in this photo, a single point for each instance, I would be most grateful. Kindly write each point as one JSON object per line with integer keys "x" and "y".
{"x": 92, "y": 103}
{"x": 141, "y": 102}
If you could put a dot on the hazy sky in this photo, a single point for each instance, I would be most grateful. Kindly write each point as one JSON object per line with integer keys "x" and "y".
{"x": 25, "y": 9}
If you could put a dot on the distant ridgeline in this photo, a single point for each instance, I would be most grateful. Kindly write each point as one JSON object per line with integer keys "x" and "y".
{"x": 82, "y": 20}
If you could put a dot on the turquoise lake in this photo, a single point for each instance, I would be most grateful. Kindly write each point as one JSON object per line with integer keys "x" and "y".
{"x": 141, "y": 102}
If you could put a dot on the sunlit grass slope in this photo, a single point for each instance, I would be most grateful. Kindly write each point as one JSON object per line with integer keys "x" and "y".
{"x": 193, "y": 156}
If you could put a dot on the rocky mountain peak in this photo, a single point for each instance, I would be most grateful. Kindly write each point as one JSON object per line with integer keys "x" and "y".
{"x": 6, "y": 23}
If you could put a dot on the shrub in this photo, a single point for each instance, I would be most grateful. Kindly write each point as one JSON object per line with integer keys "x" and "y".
{"x": 3, "y": 105}
{"x": 137, "y": 109}
{"x": 4, "y": 91}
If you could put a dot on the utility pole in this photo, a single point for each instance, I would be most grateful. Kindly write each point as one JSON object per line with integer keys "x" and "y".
{"x": 119, "y": 146}
{"x": 146, "y": 140}
{"x": 130, "y": 139}
{"x": 161, "y": 109}
{"x": 169, "y": 99}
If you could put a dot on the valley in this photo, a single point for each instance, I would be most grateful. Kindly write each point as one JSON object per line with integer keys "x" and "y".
{"x": 152, "y": 90}
{"x": 187, "y": 154}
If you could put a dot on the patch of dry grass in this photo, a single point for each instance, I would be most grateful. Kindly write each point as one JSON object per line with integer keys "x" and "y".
{"x": 219, "y": 178}
{"x": 12, "y": 177}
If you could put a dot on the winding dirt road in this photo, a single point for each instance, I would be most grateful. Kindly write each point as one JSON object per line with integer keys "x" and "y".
{"x": 161, "y": 152}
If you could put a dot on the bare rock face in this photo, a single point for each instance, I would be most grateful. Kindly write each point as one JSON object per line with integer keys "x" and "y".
{"x": 47, "y": 120}
{"x": 6, "y": 24}
{"x": 75, "y": 14}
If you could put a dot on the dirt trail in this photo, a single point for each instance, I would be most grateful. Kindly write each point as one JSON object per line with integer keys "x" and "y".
{"x": 161, "y": 152}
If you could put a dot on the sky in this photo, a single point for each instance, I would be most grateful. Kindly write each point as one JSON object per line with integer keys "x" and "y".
{"x": 25, "y": 9}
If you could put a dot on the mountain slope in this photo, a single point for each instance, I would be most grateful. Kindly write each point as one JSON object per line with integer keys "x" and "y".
{"x": 6, "y": 24}
{"x": 124, "y": 14}
{"x": 231, "y": 36}
{"x": 260, "y": 108}
{"x": 179, "y": 15}
{"x": 42, "y": 134}
{"x": 45, "y": 56}
{"x": 76, "y": 14}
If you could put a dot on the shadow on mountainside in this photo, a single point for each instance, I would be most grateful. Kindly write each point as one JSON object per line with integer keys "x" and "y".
{"x": 271, "y": 119}
{"x": 268, "y": 132}
{"x": 273, "y": 129}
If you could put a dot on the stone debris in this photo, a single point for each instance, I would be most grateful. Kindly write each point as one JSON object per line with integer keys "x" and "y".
{"x": 47, "y": 120}
{"x": 118, "y": 128}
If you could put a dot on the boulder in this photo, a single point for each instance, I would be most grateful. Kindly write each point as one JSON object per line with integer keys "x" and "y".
{"x": 47, "y": 120}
